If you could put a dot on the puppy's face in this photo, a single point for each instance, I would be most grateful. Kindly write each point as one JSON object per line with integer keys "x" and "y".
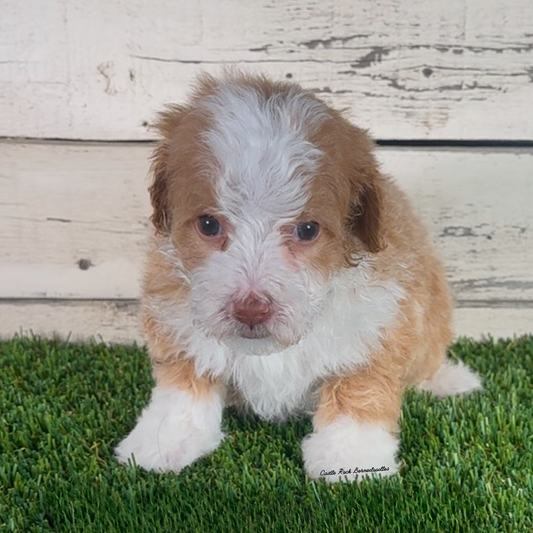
{"x": 265, "y": 194}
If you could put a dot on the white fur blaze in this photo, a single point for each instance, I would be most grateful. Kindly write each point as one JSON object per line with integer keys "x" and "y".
{"x": 174, "y": 430}
{"x": 451, "y": 379}
{"x": 347, "y": 450}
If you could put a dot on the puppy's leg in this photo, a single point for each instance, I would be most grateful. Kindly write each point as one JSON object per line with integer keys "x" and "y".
{"x": 451, "y": 378}
{"x": 180, "y": 424}
{"x": 355, "y": 427}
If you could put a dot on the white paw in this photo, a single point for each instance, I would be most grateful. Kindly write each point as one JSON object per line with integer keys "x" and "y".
{"x": 173, "y": 431}
{"x": 450, "y": 379}
{"x": 347, "y": 450}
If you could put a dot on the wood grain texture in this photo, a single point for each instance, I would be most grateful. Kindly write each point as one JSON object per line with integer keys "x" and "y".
{"x": 111, "y": 321}
{"x": 118, "y": 321}
{"x": 74, "y": 217}
{"x": 460, "y": 69}
{"x": 477, "y": 207}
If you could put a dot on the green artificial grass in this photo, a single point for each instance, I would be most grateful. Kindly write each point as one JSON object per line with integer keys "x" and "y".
{"x": 468, "y": 462}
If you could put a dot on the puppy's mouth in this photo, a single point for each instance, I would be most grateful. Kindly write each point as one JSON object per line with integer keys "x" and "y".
{"x": 271, "y": 336}
{"x": 255, "y": 341}
{"x": 257, "y": 332}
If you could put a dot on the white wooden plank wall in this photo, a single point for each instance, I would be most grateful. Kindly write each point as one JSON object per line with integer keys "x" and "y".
{"x": 426, "y": 69}
{"x": 74, "y": 214}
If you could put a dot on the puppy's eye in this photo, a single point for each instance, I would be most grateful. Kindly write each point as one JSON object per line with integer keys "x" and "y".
{"x": 209, "y": 225}
{"x": 306, "y": 231}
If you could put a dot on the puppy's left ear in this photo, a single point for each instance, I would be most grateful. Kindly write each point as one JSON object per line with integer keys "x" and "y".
{"x": 365, "y": 216}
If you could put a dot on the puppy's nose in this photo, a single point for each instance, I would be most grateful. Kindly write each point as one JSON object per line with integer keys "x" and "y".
{"x": 252, "y": 310}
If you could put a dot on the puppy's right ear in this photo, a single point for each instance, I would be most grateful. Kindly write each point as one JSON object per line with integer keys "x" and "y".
{"x": 161, "y": 217}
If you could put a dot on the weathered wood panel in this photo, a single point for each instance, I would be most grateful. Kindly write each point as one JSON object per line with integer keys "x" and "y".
{"x": 460, "y": 69}
{"x": 74, "y": 217}
{"x": 112, "y": 321}
{"x": 118, "y": 321}
{"x": 477, "y": 205}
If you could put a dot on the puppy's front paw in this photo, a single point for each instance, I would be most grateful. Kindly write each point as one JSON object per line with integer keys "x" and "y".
{"x": 173, "y": 431}
{"x": 347, "y": 450}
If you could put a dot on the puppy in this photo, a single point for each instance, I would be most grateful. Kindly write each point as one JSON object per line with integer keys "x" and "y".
{"x": 287, "y": 275}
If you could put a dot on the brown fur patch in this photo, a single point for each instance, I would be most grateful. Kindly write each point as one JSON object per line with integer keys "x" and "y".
{"x": 414, "y": 348}
{"x": 350, "y": 170}
{"x": 170, "y": 364}
{"x": 183, "y": 184}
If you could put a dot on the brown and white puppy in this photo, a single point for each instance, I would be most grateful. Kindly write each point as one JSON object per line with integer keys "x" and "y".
{"x": 287, "y": 275}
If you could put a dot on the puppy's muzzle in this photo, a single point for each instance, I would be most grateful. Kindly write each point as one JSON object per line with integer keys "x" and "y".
{"x": 252, "y": 310}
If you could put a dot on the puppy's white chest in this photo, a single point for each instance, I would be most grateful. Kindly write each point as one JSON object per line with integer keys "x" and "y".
{"x": 275, "y": 385}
